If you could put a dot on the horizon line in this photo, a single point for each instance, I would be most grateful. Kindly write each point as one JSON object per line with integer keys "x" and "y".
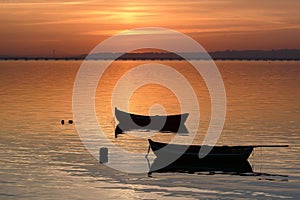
{"x": 55, "y": 56}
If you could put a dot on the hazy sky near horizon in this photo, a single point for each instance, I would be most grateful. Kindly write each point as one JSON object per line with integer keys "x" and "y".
{"x": 36, "y": 27}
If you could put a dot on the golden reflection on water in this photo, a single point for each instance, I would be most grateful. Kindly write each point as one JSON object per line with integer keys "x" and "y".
{"x": 151, "y": 94}
{"x": 39, "y": 157}
{"x": 262, "y": 98}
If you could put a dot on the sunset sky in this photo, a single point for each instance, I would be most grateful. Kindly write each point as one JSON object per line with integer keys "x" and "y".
{"x": 36, "y": 27}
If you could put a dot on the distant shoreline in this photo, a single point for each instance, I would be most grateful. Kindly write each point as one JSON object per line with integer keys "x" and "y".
{"x": 247, "y": 55}
{"x": 74, "y": 59}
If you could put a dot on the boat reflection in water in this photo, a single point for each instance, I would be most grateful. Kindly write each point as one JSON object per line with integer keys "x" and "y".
{"x": 213, "y": 168}
{"x": 201, "y": 167}
{"x": 182, "y": 131}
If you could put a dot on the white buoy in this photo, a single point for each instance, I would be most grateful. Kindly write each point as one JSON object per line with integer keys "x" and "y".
{"x": 103, "y": 153}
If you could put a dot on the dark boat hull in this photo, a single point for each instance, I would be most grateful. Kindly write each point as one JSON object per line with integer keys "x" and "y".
{"x": 168, "y": 123}
{"x": 191, "y": 153}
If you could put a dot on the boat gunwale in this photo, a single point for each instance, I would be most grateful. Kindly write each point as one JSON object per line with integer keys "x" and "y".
{"x": 223, "y": 146}
{"x": 150, "y": 116}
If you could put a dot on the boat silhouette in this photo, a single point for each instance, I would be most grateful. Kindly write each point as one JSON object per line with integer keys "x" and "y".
{"x": 214, "y": 153}
{"x": 161, "y": 123}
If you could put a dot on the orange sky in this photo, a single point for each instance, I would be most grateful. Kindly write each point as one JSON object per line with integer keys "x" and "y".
{"x": 37, "y": 27}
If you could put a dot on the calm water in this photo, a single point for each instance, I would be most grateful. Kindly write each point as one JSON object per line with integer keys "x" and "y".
{"x": 41, "y": 159}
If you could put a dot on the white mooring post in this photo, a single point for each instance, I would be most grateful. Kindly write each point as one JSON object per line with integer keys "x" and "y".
{"x": 103, "y": 155}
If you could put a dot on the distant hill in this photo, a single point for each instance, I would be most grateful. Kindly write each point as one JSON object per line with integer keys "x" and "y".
{"x": 281, "y": 54}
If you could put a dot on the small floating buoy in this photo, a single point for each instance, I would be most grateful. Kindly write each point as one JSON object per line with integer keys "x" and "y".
{"x": 62, "y": 122}
{"x": 70, "y": 121}
{"x": 103, "y": 153}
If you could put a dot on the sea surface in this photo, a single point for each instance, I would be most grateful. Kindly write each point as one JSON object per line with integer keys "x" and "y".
{"x": 42, "y": 159}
